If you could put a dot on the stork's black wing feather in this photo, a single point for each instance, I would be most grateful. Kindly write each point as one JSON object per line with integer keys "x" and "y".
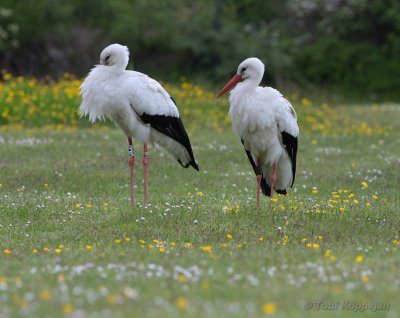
{"x": 290, "y": 143}
{"x": 265, "y": 188}
{"x": 172, "y": 127}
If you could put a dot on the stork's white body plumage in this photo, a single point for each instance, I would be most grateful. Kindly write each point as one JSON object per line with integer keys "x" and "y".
{"x": 259, "y": 118}
{"x": 137, "y": 104}
{"x": 266, "y": 123}
{"x": 123, "y": 97}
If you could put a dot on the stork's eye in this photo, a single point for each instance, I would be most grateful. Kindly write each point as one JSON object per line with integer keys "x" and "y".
{"x": 107, "y": 58}
{"x": 243, "y": 70}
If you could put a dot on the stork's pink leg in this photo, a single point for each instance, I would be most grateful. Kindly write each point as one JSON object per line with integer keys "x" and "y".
{"x": 131, "y": 163}
{"x": 145, "y": 172}
{"x": 273, "y": 180}
{"x": 258, "y": 177}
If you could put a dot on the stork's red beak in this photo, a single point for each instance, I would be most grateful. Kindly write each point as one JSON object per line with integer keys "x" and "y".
{"x": 234, "y": 80}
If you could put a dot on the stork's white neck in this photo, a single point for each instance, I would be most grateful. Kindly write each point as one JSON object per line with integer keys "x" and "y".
{"x": 247, "y": 86}
{"x": 113, "y": 70}
{"x": 120, "y": 65}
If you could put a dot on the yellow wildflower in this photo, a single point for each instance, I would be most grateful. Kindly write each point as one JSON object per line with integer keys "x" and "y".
{"x": 181, "y": 303}
{"x": 112, "y": 299}
{"x": 269, "y": 308}
{"x": 207, "y": 248}
{"x": 364, "y": 184}
{"x": 359, "y": 259}
{"x": 328, "y": 253}
{"x": 365, "y": 278}
{"x": 306, "y": 102}
{"x": 46, "y": 295}
{"x": 182, "y": 278}
{"x": 68, "y": 308}
{"x": 205, "y": 285}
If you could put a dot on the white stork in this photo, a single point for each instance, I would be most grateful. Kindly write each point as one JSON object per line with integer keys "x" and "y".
{"x": 138, "y": 105}
{"x": 267, "y": 125}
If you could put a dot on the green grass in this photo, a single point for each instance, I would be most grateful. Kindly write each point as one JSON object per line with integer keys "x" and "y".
{"x": 184, "y": 256}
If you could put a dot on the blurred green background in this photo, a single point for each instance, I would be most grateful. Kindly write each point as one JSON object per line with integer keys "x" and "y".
{"x": 345, "y": 47}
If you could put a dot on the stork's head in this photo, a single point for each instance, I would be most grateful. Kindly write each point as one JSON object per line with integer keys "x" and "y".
{"x": 250, "y": 71}
{"x": 115, "y": 55}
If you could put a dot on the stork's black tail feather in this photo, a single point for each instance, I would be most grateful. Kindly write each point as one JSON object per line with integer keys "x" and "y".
{"x": 194, "y": 165}
{"x": 191, "y": 163}
{"x": 172, "y": 127}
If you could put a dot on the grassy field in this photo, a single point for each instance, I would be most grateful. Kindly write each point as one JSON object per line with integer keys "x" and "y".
{"x": 72, "y": 246}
